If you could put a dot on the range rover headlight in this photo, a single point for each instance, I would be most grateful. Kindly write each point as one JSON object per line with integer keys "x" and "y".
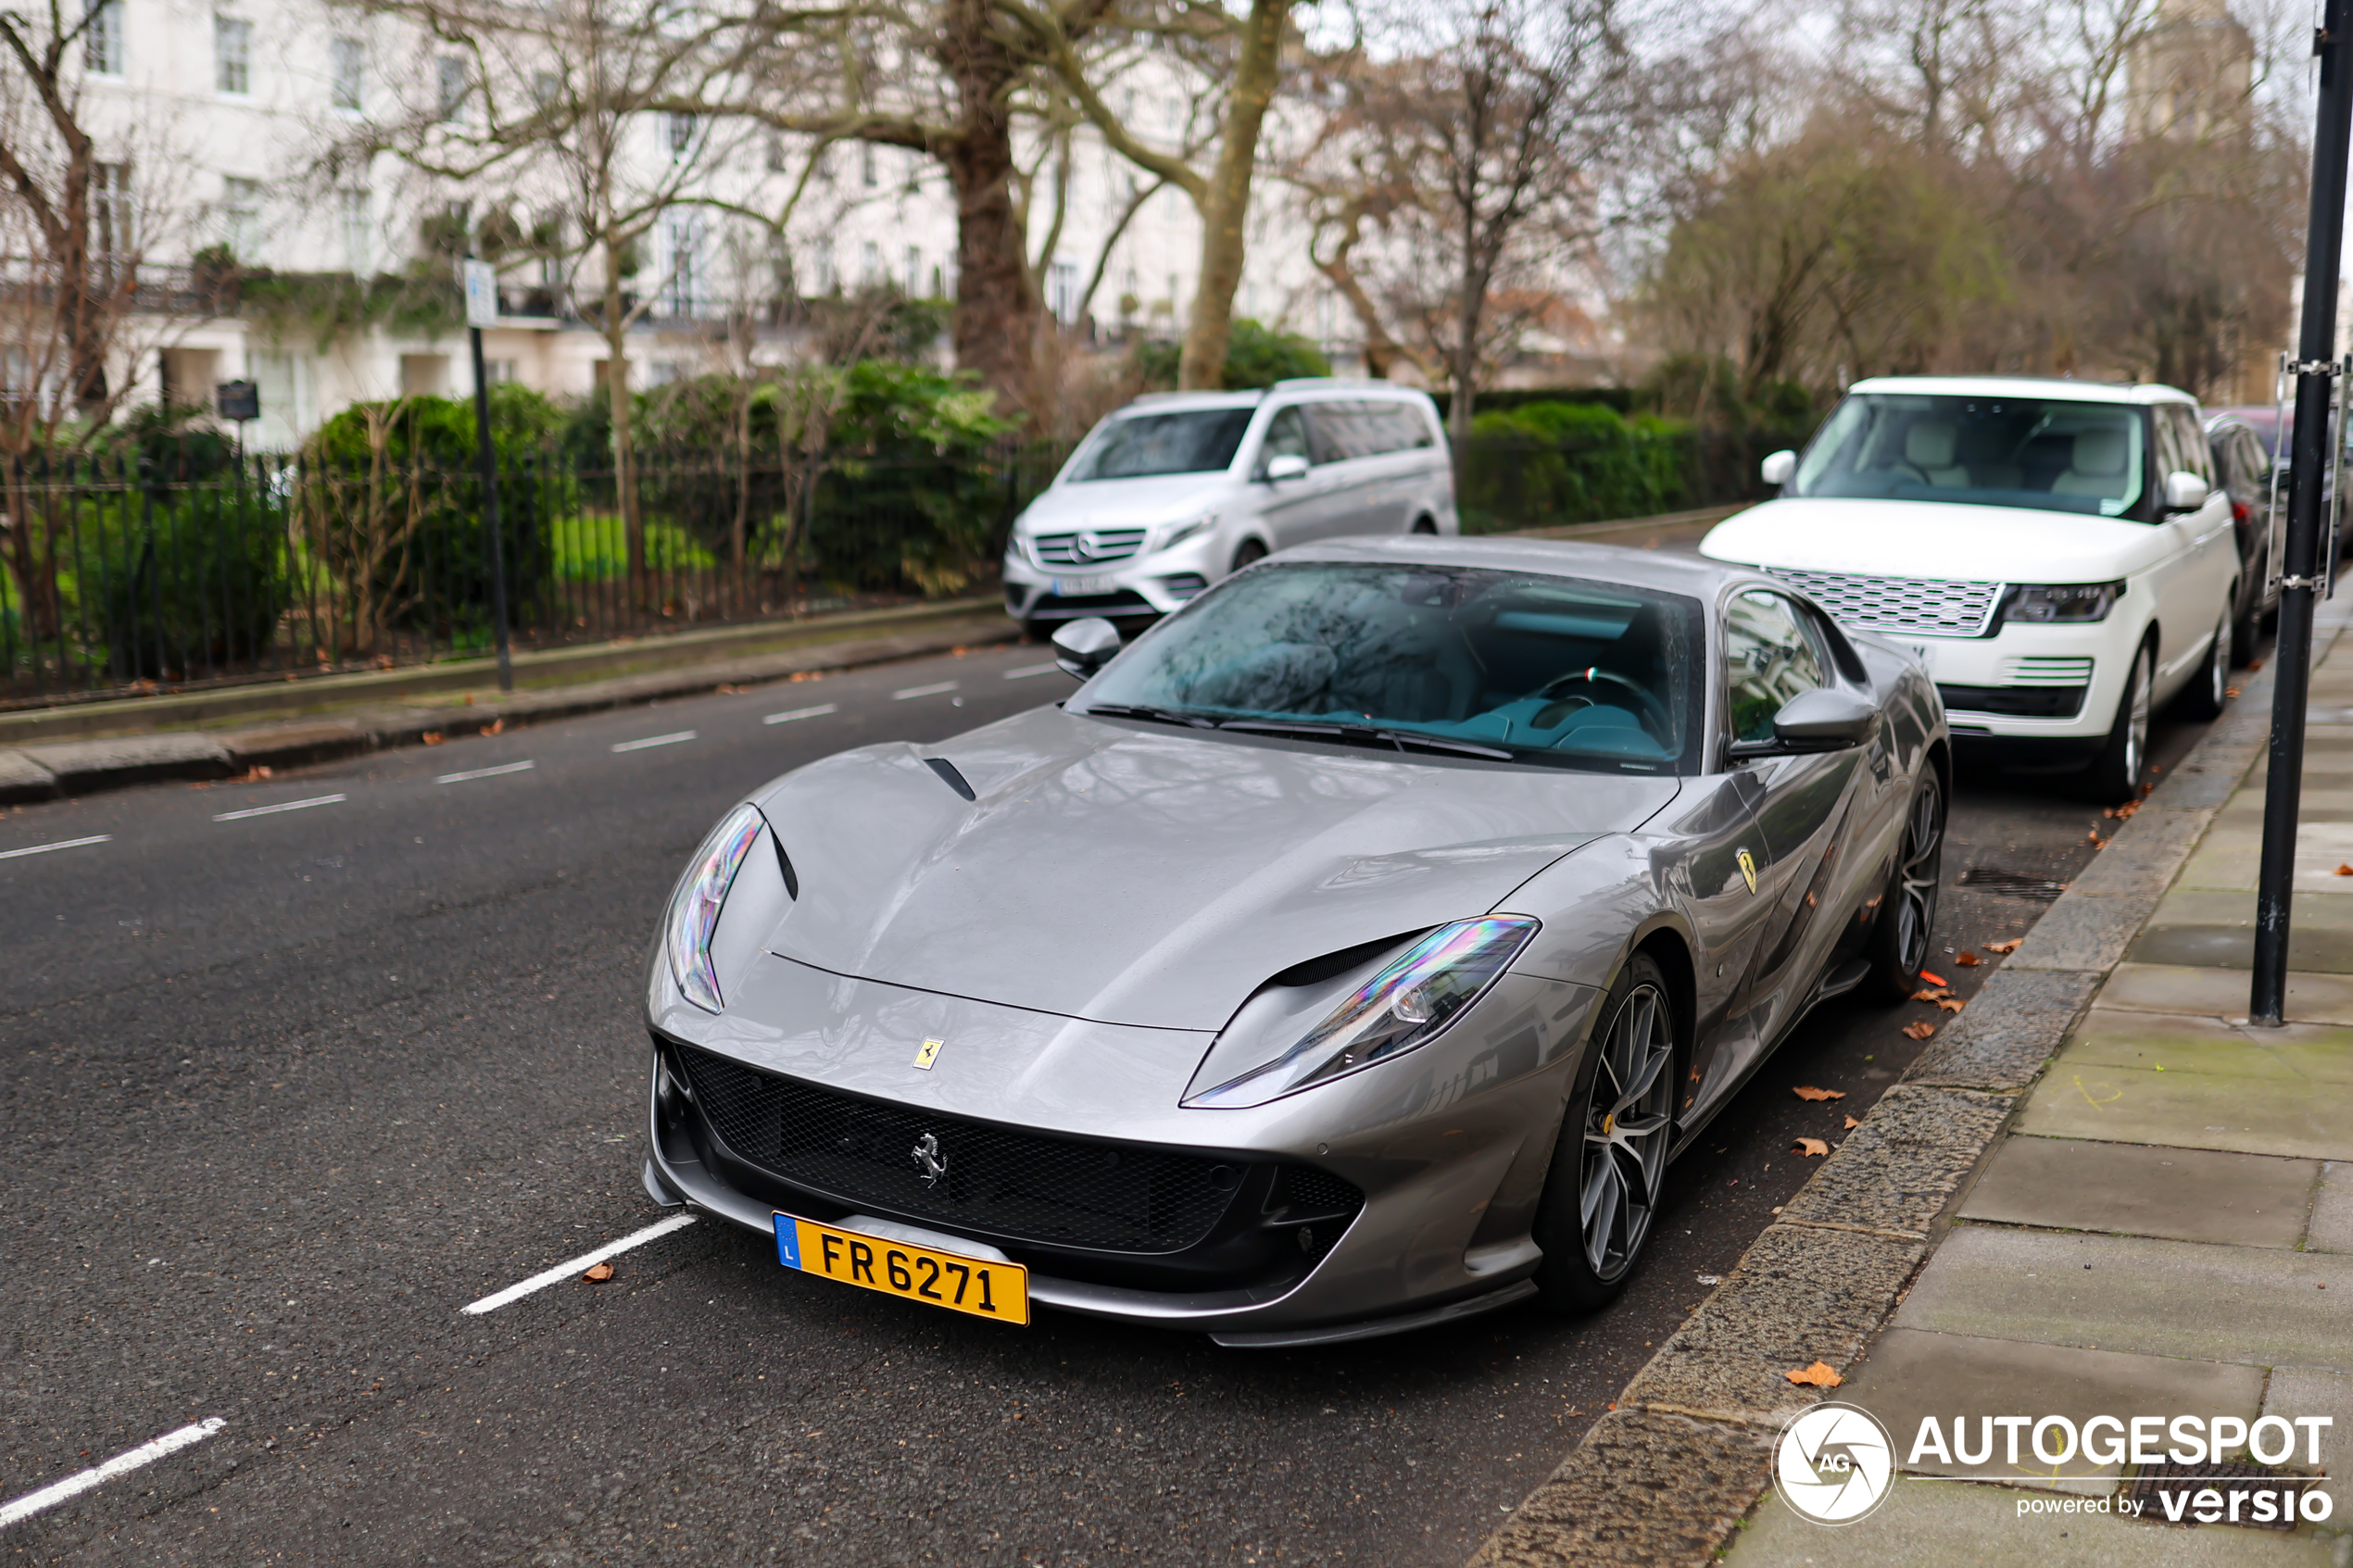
{"x": 2069, "y": 602}
{"x": 693, "y": 908}
{"x": 1177, "y": 533}
{"x": 1407, "y": 1004}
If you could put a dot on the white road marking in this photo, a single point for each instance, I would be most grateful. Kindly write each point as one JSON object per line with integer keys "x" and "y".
{"x": 61, "y": 844}
{"x": 486, "y": 772}
{"x": 923, "y": 691}
{"x": 1026, "y": 670}
{"x": 655, "y": 740}
{"x": 121, "y": 1464}
{"x": 574, "y": 1267}
{"x": 817, "y": 712}
{"x": 281, "y": 805}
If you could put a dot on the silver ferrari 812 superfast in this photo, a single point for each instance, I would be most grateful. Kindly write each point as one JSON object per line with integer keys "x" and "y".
{"x": 1349, "y": 953}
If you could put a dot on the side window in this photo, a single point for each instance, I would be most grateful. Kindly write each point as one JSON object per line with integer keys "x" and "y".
{"x": 1286, "y": 437}
{"x": 1769, "y": 656}
{"x": 2191, "y": 441}
{"x": 2167, "y": 447}
{"x": 1405, "y": 429}
{"x": 1328, "y": 431}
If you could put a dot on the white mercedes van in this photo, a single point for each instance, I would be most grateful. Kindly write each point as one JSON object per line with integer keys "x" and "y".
{"x": 1178, "y": 489}
{"x": 2058, "y": 554}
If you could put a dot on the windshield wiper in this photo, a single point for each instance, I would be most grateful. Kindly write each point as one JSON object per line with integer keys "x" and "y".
{"x": 1408, "y": 741}
{"x": 1151, "y": 715}
{"x": 1363, "y": 734}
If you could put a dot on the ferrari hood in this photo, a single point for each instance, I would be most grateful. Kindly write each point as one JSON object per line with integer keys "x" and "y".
{"x": 1131, "y": 874}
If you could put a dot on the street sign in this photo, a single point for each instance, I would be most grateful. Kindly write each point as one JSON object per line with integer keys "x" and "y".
{"x": 238, "y": 400}
{"x": 481, "y": 293}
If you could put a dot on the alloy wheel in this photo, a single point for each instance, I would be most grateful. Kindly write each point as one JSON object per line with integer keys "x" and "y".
{"x": 1919, "y": 875}
{"x": 2136, "y": 731}
{"x": 1628, "y": 1123}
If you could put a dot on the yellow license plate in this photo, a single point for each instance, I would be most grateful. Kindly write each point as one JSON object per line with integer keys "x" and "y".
{"x": 982, "y": 1287}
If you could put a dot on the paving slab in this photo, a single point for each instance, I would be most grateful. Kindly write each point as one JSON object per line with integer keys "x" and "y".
{"x": 2185, "y": 1299}
{"x": 2011, "y": 1027}
{"x": 2158, "y": 843}
{"x": 1964, "y": 1382}
{"x": 2331, "y": 1228}
{"x": 2129, "y": 1190}
{"x": 2285, "y": 1115}
{"x": 2080, "y": 933}
{"x": 2312, "y": 996}
{"x": 2218, "y": 930}
{"x": 295, "y": 745}
{"x": 1897, "y": 1171}
{"x": 2186, "y": 1043}
{"x": 1931, "y": 1524}
{"x": 2309, "y": 1391}
{"x": 1798, "y": 1296}
{"x": 1642, "y": 1489}
{"x": 82, "y": 766}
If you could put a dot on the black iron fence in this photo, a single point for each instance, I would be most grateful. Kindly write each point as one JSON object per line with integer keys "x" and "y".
{"x": 141, "y": 573}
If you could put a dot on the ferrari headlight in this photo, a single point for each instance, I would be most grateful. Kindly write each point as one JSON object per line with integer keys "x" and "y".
{"x": 693, "y": 908}
{"x": 1405, "y": 1005}
{"x": 1177, "y": 533}
{"x": 2075, "y": 602}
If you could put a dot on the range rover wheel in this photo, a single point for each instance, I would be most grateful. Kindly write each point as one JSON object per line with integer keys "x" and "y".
{"x": 2115, "y": 776}
{"x": 1610, "y": 1163}
{"x": 2205, "y": 697}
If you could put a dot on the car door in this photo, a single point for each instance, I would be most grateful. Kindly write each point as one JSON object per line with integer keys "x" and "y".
{"x": 1725, "y": 877}
{"x": 1806, "y": 803}
{"x": 2208, "y": 540}
{"x": 1350, "y": 495}
{"x": 2185, "y": 608}
{"x": 1291, "y": 509}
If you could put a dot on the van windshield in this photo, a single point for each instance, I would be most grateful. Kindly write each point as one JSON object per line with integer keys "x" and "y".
{"x": 1137, "y": 446}
{"x": 2046, "y": 453}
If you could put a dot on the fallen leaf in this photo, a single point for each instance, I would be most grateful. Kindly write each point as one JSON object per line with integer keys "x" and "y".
{"x": 2255, "y": 664}
{"x": 2120, "y": 813}
{"x": 1935, "y": 978}
{"x": 495, "y": 726}
{"x": 2231, "y": 691}
{"x": 1810, "y": 1092}
{"x": 1949, "y": 1004}
{"x": 2005, "y": 947}
{"x": 1852, "y": 1124}
{"x": 1814, "y": 1148}
{"x": 1967, "y": 960}
{"x": 1930, "y": 994}
{"x": 1819, "y": 1374}
{"x": 597, "y": 1274}
{"x": 430, "y": 737}
{"x": 2095, "y": 839}
{"x": 2343, "y": 870}
{"x": 1918, "y": 1031}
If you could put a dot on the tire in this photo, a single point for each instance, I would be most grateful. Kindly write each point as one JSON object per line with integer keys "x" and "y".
{"x": 1908, "y": 917}
{"x": 2115, "y": 776}
{"x": 2208, "y": 694}
{"x": 1250, "y": 554}
{"x": 1612, "y": 1147}
{"x": 2246, "y": 631}
{"x": 1424, "y": 525}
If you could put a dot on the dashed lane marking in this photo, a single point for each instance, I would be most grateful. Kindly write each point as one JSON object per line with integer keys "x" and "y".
{"x": 61, "y": 844}
{"x": 571, "y": 1268}
{"x": 654, "y": 740}
{"x": 924, "y": 691}
{"x": 123, "y": 1463}
{"x": 485, "y": 773}
{"x": 1026, "y": 670}
{"x": 817, "y": 712}
{"x": 281, "y": 805}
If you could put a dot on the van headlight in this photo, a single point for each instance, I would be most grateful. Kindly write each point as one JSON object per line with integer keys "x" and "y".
{"x": 2046, "y": 603}
{"x": 1177, "y": 533}
{"x": 693, "y": 908}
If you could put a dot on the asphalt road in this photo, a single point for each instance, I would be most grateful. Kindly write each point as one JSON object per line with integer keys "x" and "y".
{"x": 285, "y": 1090}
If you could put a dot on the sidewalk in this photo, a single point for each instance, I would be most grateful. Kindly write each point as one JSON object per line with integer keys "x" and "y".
{"x": 2099, "y": 1192}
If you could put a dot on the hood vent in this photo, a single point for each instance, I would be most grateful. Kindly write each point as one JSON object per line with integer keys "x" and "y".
{"x": 952, "y": 779}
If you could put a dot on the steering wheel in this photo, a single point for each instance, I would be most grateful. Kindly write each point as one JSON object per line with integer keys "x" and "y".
{"x": 1654, "y": 713}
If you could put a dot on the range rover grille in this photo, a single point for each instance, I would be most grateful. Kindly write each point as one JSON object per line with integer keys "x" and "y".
{"x": 1924, "y": 606}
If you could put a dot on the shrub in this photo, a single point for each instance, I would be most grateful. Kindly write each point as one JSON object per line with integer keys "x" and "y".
{"x": 186, "y": 582}
{"x": 1543, "y": 464}
{"x": 1255, "y": 356}
{"x": 908, "y": 496}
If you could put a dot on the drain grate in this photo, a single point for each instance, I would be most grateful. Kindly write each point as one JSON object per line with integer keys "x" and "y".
{"x": 2010, "y": 885}
{"x": 2167, "y": 1492}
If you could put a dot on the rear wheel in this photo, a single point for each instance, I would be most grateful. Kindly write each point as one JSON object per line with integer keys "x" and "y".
{"x": 2204, "y": 697}
{"x": 1602, "y": 1194}
{"x": 2115, "y": 776}
{"x": 1908, "y": 918}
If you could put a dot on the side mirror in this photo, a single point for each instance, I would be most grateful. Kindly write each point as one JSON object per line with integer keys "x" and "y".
{"x": 1290, "y": 465}
{"x": 1822, "y": 720}
{"x": 1082, "y": 648}
{"x": 2185, "y": 492}
{"x": 1779, "y": 468}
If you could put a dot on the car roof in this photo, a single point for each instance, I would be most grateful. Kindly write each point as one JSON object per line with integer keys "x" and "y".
{"x": 1559, "y": 557}
{"x": 2057, "y": 387}
{"x": 1306, "y": 389}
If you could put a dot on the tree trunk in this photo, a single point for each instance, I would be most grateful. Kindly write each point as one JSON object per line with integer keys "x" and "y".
{"x": 624, "y": 446}
{"x": 1225, "y": 207}
{"x": 997, "y": 309}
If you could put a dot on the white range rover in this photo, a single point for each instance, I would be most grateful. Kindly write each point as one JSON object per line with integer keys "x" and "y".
{"x": 2056, "y": 553}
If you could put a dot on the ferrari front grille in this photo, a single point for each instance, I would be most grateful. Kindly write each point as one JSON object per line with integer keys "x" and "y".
{"x": 1921, "y": 607}
{"x": 976, "y": 1176}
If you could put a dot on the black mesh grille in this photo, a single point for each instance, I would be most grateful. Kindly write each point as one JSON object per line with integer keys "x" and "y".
{"x": 1003, "y": 1183}
{"x": 1307, "y": 1191}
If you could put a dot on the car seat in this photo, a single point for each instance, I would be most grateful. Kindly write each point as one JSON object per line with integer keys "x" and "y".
{"x": 2098, "y": 467}
{"x": 1928, "y": 447}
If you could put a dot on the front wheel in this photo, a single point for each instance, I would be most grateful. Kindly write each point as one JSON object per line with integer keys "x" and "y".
{"x": 2115, "y": 776}
{"x": 1907, "y": 915}
{"x": 1602, "y": 1193}
{"x": 1250, "y": 553}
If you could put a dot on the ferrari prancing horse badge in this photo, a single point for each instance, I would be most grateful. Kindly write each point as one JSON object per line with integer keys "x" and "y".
{"x": 1748, "y": 871}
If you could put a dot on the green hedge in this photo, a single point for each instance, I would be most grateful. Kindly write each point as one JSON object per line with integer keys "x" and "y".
{"x": 193, "y": 582}
{"x": 1543, "y": 464}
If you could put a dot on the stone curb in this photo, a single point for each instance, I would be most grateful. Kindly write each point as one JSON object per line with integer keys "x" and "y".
{"x": 1666, "y": 1476}
{"x": 48, "y": 772}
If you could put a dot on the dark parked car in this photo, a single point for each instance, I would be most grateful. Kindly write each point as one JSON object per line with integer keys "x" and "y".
{"x": 2242, "y": 449}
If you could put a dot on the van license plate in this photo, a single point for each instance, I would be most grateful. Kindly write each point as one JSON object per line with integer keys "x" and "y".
{"x": 1080, "y": 587}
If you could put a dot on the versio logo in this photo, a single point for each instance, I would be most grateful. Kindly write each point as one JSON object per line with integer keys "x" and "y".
{"x": 1834, "y": 1463}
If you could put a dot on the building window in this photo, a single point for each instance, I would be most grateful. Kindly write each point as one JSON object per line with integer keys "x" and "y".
{"x": 497, "y": 372}
{"x": 241, "y": 218}
{"x": 678, "y": 135}
{"x": 914, "y": 279}
{"x": 870, "y": 272}
{"x": 346, "y": 74}
{"x": 358, "y": 234}
{"x": 102, "y": 44}
{"x": 233, "y": 56}
{"x": 113, "y": 229}
{"x": 451, "y": 81}
{"x": 866, "y": 164}
{"x": 545, "y": 88}
{"x": 775, "y": 152}
{"x": 682, "y": 236}
{"x": 1061, "y": 290}
{"x": 828, "y": 277}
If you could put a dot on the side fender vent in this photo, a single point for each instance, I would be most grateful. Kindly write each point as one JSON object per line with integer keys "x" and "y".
{"x": 948, "y": 774}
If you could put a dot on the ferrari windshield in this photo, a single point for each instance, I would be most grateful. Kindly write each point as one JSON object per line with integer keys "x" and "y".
{"x": 1510, "y": 666}
{"x": 1186, "y": 441}
{"x": 2048, "y": 453}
